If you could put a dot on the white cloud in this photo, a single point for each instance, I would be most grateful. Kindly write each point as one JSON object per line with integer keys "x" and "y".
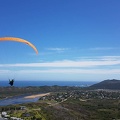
{"x": 72, "y": 71}
{"x": 103, "y": 48}
{"x": 57, "y": 49}
{"x": 107, "y": 66}
{"x": 96, "y": 62}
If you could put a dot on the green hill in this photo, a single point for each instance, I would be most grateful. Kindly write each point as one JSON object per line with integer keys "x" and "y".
{"x": 107, "y": 84}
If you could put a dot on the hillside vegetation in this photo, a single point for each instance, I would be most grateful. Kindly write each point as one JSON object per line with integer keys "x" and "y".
{"x": 107, "y": 84}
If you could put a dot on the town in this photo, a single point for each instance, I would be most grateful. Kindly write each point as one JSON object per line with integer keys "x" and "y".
{"x": 83, "y": 95}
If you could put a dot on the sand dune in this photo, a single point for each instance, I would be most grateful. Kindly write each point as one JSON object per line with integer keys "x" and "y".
{"x": 37, "y": 95}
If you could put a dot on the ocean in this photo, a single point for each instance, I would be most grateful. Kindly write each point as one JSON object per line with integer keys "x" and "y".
{"x": 48, "y": 83}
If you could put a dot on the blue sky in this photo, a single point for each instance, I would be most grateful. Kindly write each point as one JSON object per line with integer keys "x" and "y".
{"x": 76, "y": 40}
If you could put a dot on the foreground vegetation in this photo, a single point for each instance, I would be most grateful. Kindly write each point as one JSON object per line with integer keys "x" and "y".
{"x": 70, "y": 104}
{"x": 71, "y": 109}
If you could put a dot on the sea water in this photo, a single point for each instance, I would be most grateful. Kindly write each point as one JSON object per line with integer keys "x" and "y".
{"x": 48, "y": 83}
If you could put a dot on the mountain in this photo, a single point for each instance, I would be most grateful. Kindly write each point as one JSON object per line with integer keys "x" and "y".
{"x": 107, "y": 84}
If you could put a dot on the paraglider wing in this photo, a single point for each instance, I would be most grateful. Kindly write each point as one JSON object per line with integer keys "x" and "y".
{"x": 19, "y": 40}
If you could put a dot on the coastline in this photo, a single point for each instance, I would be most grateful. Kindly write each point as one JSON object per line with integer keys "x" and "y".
{"x": 36, "y": 95}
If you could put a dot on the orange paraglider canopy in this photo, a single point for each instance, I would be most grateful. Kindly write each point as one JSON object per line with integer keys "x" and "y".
{"x": 19, "y": 40}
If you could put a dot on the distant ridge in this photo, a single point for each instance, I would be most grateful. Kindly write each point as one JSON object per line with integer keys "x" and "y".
{"x": 107, "y": 84}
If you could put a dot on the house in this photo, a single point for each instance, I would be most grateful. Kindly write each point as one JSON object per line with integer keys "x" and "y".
{"x": 3, "y": 114}
{"x": 15, "y": 118}
{"x": 23, "y": 107}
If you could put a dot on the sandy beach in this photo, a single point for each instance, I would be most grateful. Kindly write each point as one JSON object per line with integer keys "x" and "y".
{"x": 37, "y": 95}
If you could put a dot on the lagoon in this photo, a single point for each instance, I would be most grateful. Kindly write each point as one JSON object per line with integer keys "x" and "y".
{"x": 17, "y": 100}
